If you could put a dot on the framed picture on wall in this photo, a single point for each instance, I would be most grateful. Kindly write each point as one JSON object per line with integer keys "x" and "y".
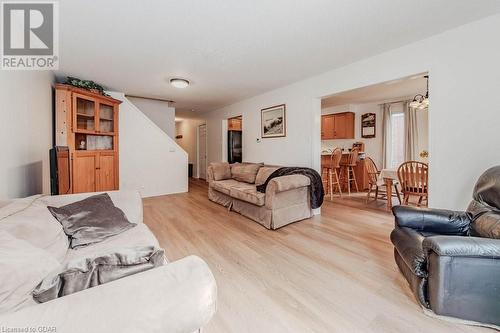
{"x": 273, "y": 121}
{"x": 368, "y": 121}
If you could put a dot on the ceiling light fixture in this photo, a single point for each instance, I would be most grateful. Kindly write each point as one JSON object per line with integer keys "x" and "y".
{"x": 421, "y": 102}
{"x": 179, "y": 83}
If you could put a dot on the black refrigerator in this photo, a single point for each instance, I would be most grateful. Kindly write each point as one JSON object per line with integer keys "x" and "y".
{"x": 234, "y": 146}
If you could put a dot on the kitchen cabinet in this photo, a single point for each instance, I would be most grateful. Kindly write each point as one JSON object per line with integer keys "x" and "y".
{"x": 337, "y": 126}
{"x": 327, "y": 127}
{"x": 234, "y": 124}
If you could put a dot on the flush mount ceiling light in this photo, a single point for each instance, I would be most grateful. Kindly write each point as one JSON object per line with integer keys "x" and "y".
{"x": 420, "y": 101}
{"x": 179, "y": 83}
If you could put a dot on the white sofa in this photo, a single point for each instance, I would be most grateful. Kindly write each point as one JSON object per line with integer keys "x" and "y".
{"x": 177, "y": 297}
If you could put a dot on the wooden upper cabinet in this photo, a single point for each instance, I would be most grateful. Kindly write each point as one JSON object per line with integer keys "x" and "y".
{"x": 327, "y": 127}
{"x": 84, "y": 108}
{"x": 234, "y": 124}
{"x": 106, "y": 118}
{"x": 340, "y": 129}
{"x": 337, "y": 126}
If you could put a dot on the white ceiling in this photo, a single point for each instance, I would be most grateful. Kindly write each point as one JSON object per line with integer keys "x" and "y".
{"x": 231, "y": 50}
{"x": 401, "y": 88}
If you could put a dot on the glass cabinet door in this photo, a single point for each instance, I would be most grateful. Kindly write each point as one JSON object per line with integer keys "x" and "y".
{"x": 85, "y": 113}
{"x": 106, "y": 118}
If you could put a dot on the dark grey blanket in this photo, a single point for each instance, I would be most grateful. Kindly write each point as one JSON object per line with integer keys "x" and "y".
{"x": 316, "y": 190}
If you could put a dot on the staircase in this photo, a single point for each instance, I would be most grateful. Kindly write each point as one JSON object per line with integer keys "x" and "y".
{"x": 151, "y": 162}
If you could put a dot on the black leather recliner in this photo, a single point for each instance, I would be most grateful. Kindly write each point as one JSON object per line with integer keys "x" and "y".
{"x": 452, "y": 259}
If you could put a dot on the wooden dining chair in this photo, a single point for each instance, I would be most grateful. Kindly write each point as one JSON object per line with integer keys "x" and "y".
{"x": 414, "y": 179}
{"x": 373, "y": 178}
{"x": 348, "y": 169}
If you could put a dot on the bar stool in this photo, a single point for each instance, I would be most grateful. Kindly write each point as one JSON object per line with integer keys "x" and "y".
{"x": 333, "y": 172}
{"x": 348, "y": 168}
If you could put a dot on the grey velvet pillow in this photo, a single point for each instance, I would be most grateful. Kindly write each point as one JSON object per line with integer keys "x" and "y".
{"x": 84, "y": 273}
{"x": 91, "y": 220}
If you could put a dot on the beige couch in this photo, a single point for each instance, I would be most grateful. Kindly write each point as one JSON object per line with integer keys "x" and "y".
{"x": 177, "y": 297}
{"x": 234, "y": 186}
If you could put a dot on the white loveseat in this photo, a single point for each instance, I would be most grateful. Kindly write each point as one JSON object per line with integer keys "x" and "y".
{"x": 177, "y": 297}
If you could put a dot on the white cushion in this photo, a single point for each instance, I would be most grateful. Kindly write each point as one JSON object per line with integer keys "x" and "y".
{"x": 16, "y": 205}
{"x": 31, "y": 221}
{"x": 178, "y": 297}
{"x": 22, "y": 268}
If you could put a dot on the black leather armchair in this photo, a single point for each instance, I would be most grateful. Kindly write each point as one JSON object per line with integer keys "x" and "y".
{"x": 452, "y": 259}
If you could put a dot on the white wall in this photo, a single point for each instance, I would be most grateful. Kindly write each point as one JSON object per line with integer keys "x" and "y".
{"x": 294, "y": 149}
{"x": 373, "y": 146}
{"x": 188, "y": 129}
{"x": 25, "y": 132}
{"x": 464, "y": 75}
{"x": 150, "y": 161}
{"x": 159, "y": 112}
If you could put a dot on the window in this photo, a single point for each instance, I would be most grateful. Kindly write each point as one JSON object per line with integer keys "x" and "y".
{"x": 397, "y": 154}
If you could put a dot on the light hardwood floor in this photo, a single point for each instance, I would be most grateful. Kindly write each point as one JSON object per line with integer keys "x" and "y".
{"x": 331, "y": 273}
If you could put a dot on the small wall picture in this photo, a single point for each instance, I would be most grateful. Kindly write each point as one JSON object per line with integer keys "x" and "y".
{"x": 273, "y": 121}
{"x": 368, "y": 121}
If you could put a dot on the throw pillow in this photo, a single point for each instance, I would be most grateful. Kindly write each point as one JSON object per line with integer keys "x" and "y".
{"x": 84, "y": 273}
{"x": 221, "y": 170}
{"x": 22, "y": 267}
{"x": 245, "y": 172}
{"x": 91, "y": 220}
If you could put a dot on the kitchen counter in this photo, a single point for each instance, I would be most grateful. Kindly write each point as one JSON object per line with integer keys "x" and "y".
{"x": 359, "y": 169}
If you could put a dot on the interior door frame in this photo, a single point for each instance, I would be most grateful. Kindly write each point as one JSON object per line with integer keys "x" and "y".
{"x": 198, "y": 149}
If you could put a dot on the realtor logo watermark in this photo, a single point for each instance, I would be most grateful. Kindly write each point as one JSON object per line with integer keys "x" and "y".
{"x": 30, "y": 35}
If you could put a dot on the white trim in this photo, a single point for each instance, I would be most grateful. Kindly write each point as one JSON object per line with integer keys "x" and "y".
{"x": 224, "y": 129}
{"x": 198, "y": 150}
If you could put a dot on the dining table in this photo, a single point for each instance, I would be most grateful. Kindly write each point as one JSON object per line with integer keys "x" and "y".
{"x": 388, "y": 177}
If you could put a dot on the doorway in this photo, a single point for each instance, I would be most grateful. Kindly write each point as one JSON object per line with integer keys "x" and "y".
{"x": 375, "y": 130}
{"x": 202, "y": 151}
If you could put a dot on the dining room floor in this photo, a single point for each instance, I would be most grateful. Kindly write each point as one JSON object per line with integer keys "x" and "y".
{"x": 358, "y": 200}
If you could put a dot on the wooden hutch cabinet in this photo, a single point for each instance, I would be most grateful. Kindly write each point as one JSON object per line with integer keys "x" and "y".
{"x": 87, "y": 123}
{"x": 337, "y": 126}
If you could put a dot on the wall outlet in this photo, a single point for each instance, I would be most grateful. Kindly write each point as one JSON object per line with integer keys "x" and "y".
{"x": 258, "y": 140}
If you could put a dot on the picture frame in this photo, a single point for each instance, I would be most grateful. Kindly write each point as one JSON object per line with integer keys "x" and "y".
{"x": 273, "y": 121}
{"x": 368, "y": 125}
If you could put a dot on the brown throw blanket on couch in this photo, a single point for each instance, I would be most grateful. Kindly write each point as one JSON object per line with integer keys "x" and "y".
{"x": 316, "y": 190}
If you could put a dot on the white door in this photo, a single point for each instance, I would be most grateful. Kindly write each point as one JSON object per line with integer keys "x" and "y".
{"x": 202, "y": 151}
